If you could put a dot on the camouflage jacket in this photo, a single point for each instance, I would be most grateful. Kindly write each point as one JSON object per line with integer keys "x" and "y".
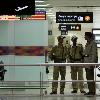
{"x": 58, "y": 52}
{"x": 90, "y": 53}
{"x": 76, "y": 53}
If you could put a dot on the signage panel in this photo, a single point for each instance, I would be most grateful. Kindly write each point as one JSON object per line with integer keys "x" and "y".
{"x": 74, "y": 17}
{"x": 17, "y": 7}
{"x": 39, "y": 15}
{"x": 70, "y": 27}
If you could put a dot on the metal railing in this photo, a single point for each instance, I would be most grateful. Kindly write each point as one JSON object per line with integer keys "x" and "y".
{"x": 84, "y": 65}
{"x": 54, "y": 64}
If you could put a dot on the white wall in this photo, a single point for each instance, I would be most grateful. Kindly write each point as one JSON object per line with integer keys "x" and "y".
{"x": 23, "y": 33}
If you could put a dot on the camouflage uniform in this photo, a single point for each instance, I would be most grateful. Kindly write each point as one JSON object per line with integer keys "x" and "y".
{"x": 59, "y": 54}
{"x": 90, "y": 57}
{"x": 76, "y": 56}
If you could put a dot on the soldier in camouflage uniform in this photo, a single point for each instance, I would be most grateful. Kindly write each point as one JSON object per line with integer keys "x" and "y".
{"x": 76, "y": 56}
{"x": 58, "y": 54}
{"x": 90, "y": 56}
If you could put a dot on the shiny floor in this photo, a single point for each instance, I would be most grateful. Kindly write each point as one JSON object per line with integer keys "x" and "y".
{"x": 34, "y": 94}
{"x": 48, "y": 98}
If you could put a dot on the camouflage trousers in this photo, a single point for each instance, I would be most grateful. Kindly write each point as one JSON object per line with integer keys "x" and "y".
{"x": 56, "y": 71}
{"x": 90, "y": 76}
{"x": 77, "y": 74}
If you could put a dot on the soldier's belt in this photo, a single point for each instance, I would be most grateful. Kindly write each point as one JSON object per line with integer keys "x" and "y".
{"x": 76, "y": 59}
{"x": 57, "y": 59}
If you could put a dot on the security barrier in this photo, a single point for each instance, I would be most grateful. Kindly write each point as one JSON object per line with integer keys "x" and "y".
{"x": 41, "y": 87}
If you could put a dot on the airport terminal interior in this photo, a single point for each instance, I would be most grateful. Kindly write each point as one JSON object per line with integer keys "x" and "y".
{"x": 26, "y": 42}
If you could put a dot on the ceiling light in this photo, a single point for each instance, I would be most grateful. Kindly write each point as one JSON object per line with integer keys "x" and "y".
{"x": 98, "y": 45}
{"x": 42, "y": 5}
{"x": 40, "y": 8}
{"x": 39, "y": 1}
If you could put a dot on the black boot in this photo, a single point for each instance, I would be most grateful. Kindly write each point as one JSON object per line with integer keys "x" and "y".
{"x": 53, "y": 92}
{"x": 74, "y": 91}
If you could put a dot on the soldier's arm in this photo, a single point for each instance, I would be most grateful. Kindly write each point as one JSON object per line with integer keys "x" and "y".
{"x": 68, "y": 54}
{"x": 82, "y": 52}
{"x": 94, "y": 55}
{"x": 51, "y": 54}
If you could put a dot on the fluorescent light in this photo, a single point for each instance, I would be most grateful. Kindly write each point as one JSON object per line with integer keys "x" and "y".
{"x": 98, "y": 45}
{"x": 40, "y": 8}
{"x": 42, "y": 5}
{"x": 39, "y": 1}
{"x": 96, "y": 31}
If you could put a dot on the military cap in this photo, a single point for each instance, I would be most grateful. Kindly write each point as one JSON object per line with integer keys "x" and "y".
{"x": 74, "y": 37}
{"x": 60, "y": 37}
{"x": 89, "y": 34}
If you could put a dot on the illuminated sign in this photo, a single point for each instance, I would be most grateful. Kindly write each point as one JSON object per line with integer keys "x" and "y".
{"x": 70, "y": 27}
{"x": 39, "y": 15}
{"x": 9, "y": 17}
{"x": 74, "y": 17}
{"x": 17, "y": 7}
{"x": 63, "y": 27}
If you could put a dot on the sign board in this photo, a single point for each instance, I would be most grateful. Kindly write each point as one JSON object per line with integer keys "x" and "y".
{"x": 39, "y": 15}
{"x": 63, "y": 27}
{"x": 17, "y": 7}
{"x": 74, "y": 17}
{"x": 9, "y": 17}
{"x": 70, "y": 27}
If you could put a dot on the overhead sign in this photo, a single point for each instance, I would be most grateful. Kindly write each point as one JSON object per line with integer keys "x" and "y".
{"x": 74, "y": 17}
{"x": 70, "y": 27}
{"x": 9, "y": 17}
{"x": 17, "y": 7}
{"x": 63, "y": 27}
{"x": 39, "y": 15}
